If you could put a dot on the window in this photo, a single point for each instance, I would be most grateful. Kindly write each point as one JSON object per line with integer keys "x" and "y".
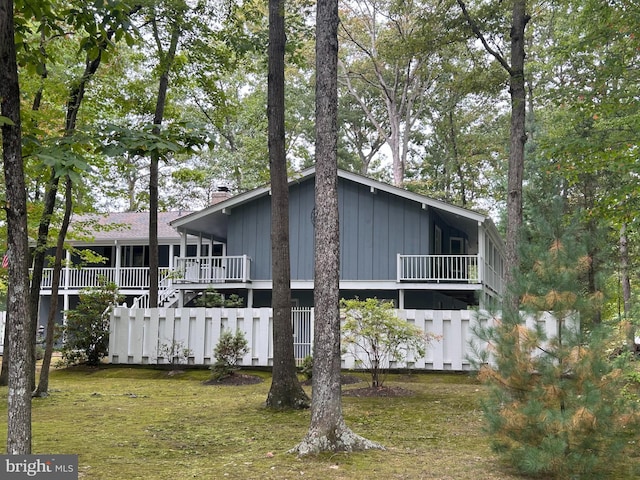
{"x": 456, "y": 246}
{"x": 437, "y": 241}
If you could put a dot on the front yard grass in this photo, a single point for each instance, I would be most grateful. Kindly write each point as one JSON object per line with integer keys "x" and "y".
{"x": 136, "y": 423}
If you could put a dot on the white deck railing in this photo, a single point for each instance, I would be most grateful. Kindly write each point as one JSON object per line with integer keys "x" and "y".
{"x": 187, "y": 269}
{"x": 213, "y": 269}
{"x": 124, "y": 277}
{"x": 438, "y": 268}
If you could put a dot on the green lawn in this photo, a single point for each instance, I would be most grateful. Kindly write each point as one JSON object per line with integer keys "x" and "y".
{"x": 134, "y": 423}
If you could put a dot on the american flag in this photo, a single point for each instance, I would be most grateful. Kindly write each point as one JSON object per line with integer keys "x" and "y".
{"x": 5, "y": 261}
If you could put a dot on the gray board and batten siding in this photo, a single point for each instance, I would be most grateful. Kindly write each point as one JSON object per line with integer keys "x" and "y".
{"x": 374, "y": 227}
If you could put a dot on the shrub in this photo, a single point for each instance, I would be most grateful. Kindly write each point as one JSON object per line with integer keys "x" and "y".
{"x": 86, "y": 333}
{"x": 374, "y": 335}
{"x": 211, "y": 298}
{"x": 306, "y": 369}
{"x": 228, "y": 351}
{"x": 175, "y": 352}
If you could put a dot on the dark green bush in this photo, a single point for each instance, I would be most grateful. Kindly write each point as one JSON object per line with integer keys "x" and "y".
{"x": 306, "y": 369}
{"x": 86, "y": 333}
{"x": 228, "y": 351}
{"x": 211, "y": 298}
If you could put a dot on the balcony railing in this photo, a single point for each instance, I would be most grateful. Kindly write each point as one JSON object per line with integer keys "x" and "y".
{"x": 213, "y": 269}
{"x": 124, "y": 277}
{"x": 187, "y": 269}
{"x": 438, "y": 268}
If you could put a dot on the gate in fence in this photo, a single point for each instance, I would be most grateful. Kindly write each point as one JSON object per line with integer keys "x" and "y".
{"x": 302, "y": 319}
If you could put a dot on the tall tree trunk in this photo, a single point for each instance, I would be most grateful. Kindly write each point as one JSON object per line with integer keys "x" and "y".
{"x": 518, "y": 138}
{"x": 76, "y": 96}
{"x": 43, "y": 385}
{"x": 626, "y": 287}
{"x": 20, "y": 350}
{"x": 39, "y": 256}
{"x": 327, "y": 431}
{"x": 285, "y": 391}
{"x": 166, "y": 62}
{"x": 517, "y": 90}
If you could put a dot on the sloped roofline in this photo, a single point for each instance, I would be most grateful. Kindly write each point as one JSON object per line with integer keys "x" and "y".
{"x": 361, "y": 179}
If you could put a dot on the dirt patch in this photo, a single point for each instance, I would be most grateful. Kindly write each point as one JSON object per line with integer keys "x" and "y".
{"x": 378, "y": 392}
{"x": 237, "y": 379}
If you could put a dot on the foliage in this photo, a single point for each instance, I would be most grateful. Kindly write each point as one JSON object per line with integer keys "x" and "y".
{"x": 175, "y": 352}
{"x": 375, "y": 335}
{"x": 86, "y": 333}
{"x": 556, "y": 407}
{"x": 561, "y": 412}
{"x": 306, "y": 369}
{"x": 229, "y": 350}
{"x": 211, "y": 298}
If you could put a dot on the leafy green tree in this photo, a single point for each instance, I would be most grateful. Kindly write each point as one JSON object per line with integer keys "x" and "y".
{"x": 86, "y": 332}
{"x": 388, "y": 67}
{"x": 376, "y": 336}
{"x": 64, "y": 155}
{"x": 468, "y": 133}
{"x": 587, "y": 128}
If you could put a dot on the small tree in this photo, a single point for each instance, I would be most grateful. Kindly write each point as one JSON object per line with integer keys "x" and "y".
{"x": 556, "y": 407}
{"x": 374, "y": 335}
{"x": 86, "y": 333}
{"x": 175, "y": 352}
{"x": 228, "y": 351}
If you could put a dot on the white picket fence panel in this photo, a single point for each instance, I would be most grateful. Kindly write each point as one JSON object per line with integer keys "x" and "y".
{"x": 137, "y": 335}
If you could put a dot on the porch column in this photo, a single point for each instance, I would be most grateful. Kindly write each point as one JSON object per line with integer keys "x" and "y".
{"x": 481, "y": 253}
{"x": 250, "y": 298}
{"x": 171, "y": 255}
{"x": 67, "y": 270}
{"x": 401, "y": 299}
{"x": 183, "y": 244}
{"x": 118, "y": 264}
{"x": 65, "y": 307}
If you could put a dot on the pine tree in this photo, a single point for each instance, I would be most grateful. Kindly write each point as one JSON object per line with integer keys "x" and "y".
{"x": 556, "y": 407}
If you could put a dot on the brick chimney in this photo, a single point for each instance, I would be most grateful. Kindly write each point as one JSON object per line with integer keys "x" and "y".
{"x": 220, "y": 194}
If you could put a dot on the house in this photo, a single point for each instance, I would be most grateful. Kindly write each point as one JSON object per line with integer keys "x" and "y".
{"x": 120, "y": 242}
{"x": 419, "y": 252}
